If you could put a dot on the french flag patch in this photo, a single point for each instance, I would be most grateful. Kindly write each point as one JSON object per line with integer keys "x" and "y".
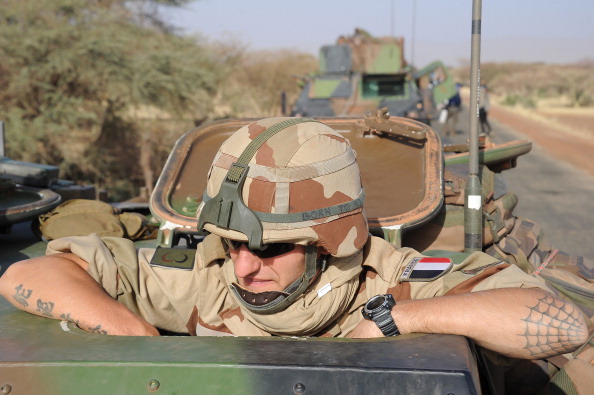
{"x": 426, "y": 269}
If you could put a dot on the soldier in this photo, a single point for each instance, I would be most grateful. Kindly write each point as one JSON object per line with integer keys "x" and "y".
{"x": 289, "y": 253}
{"x": 453, "y": 108}
{"x": 484, "y": 109}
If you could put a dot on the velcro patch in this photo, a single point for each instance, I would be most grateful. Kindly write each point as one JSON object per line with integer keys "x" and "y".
{"x": 426, "y": 269}
{"x": 174, "y": 258}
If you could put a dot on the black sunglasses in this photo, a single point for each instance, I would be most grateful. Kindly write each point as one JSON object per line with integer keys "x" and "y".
{"x": 269, "y": 251}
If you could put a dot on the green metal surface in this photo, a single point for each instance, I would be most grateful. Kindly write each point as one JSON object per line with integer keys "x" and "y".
{"x": 387, "y": 61}
{"x": 324, "y": 88}
{"x": 43, "y": 356}
{"x": 493, "y": 155}
{"x": 444, "y": 88}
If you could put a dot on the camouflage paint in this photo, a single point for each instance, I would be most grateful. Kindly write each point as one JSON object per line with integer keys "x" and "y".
{"x": 44, "y": 356}
{"x": 442, "y": 90}
{"x": 304, "y": 170}
{"x": 503, "y": 155}
{"x": 324, "y": 88}
{"x": 387, "y": 60}
{"x": 361, "y": 57}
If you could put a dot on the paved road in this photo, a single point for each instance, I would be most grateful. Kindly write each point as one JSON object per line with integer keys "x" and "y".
{"x": 556, "y": 195}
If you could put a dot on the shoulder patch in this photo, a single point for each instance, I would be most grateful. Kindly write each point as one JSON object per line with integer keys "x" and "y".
{"x": 174, "y": 258}
{"x": 426, "y": 269}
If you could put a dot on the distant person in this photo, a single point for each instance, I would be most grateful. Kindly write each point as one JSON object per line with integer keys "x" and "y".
{"x": 484, "y": 109}
{"x": 453, "y": 109}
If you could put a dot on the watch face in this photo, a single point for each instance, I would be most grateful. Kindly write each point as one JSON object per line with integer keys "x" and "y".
{"x": 375, "y": 302}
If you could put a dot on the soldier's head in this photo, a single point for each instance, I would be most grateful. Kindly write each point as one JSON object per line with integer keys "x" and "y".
{"x": 283, "y": 193}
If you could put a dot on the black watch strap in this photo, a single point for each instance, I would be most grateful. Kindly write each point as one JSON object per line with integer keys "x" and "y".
{"x": 386, "y": 323}
{"x": 379, "y": 310}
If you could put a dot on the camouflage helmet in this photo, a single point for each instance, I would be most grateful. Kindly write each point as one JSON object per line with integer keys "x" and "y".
{"x": 286, "y": 180}
{"x": 301, "y": 185}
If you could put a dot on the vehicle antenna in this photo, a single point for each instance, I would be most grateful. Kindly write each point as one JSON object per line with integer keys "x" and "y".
{"x": 473, "y": 229}
{"x": 1, "y": 139}
{"x": 412, "y": 40}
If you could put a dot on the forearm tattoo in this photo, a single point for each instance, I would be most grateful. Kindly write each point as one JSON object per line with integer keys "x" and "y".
{"x": 97, "y": 329}
{"x": 67, "y": 317}
{"x": 552, "y": 327}
{"x": 21, "y": 295}
{"x": 93, "y": 329}
{"x": 45, "y": 308}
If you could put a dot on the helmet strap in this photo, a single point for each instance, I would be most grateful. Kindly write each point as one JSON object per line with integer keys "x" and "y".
{"x": 281, "y": 300}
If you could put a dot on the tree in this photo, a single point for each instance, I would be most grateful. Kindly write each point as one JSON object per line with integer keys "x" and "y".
{"x": 88, "y": 84}
{"x": 255, "y": 84}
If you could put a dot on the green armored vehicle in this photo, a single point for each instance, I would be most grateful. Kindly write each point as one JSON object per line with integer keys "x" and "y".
{"x": 361, "y": 73}
{"x": 396, "y": 155}
{"x": 45, "y": 356}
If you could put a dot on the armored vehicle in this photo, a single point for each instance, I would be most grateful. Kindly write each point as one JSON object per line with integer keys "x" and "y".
{"x": 410, "y": 182}
{"x": 414, "y": 197}
{"x": 361, "y": 73}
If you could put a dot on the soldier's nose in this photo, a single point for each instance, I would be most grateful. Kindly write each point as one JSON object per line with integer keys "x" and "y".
{"x": 245, "y": 262}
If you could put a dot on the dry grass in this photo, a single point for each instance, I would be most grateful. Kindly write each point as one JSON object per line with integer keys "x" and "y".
{"x": 577, "y": 122}
{"x": 560, "y": 96}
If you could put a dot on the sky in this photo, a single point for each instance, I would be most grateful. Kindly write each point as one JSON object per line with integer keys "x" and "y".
{"x": 550, "y": 31}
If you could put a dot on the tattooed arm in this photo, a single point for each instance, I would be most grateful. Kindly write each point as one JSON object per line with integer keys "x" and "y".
{"x": 524, "y": 323}
{"x": 58, "y": 286}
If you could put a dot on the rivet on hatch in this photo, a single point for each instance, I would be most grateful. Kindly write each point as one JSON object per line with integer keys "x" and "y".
{"x": 153, "y": 385}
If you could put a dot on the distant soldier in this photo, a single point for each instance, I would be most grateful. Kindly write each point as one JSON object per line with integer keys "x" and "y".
{"x": 453, "y": 109}
{"x": 484, "y": 109}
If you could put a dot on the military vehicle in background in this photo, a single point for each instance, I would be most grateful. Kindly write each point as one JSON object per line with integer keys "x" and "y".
{"x": 362, "y": 73}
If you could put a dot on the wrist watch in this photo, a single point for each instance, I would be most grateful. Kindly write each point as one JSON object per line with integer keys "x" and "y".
{"x": 379, "y": 310}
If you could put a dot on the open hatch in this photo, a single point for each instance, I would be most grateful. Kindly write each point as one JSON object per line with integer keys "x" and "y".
{"x": 400, "y": 160}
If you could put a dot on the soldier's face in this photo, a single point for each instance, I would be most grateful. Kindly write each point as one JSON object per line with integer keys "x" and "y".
{"x": 260, "y": 274}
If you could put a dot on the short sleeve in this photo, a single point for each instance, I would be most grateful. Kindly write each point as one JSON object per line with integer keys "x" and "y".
{"x": 164, "y": 296}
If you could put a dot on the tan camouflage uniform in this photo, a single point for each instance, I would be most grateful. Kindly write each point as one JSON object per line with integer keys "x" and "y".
{"x": 180, "y": 299}
{"x": 303, "y": 169}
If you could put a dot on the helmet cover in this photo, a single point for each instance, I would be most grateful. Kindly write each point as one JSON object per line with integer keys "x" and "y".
{"x": 302, "y": 184}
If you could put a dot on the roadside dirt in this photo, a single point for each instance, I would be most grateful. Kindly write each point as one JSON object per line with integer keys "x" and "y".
{"x": 566, "y": 135}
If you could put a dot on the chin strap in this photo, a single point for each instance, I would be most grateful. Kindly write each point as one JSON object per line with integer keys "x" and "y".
{"x": 275, "y": 301}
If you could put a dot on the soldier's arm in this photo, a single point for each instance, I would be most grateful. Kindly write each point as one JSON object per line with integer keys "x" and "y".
{"x": 524, "y": 323}
{"x": 58, "y": 286}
